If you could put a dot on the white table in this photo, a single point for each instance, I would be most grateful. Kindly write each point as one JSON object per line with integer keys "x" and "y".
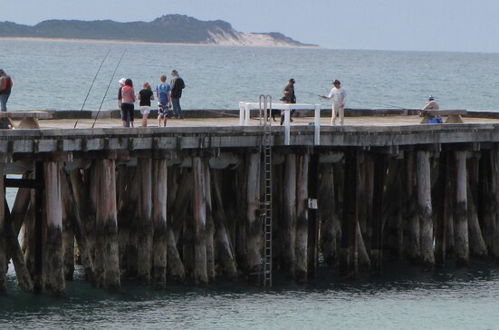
{"x": 246, "y": 107}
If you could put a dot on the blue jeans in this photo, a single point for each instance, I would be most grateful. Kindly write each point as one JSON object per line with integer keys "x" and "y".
{"x": 3, "y": 101}
{"x": 177, "y": 111}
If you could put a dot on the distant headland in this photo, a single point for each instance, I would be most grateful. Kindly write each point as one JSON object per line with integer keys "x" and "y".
{"x": 164, "y": 29}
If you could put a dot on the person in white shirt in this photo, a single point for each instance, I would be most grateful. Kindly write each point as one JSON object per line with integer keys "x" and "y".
{"x": 337, "y": 96}
{"x": 431, "y": 104}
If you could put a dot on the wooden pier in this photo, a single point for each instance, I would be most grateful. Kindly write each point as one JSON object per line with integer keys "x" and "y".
{"x": 183, "y": 203}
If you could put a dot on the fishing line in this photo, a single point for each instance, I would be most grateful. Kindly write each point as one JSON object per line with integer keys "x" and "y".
{"x": 92, "y": 84}
{"x": 109, "y": 85}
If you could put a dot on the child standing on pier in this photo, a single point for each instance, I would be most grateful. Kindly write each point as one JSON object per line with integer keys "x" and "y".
{"x": 145, "y": 97}
{"x": 163, "y": 93}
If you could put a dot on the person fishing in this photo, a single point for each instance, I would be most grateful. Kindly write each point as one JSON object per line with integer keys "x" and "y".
{"x": 337, "y": 95}
{"x": 289, "y": 97}
{"x": 430, "y": 105}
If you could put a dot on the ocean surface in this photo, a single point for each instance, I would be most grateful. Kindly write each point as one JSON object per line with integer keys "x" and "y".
{"x": 58, "y": 74}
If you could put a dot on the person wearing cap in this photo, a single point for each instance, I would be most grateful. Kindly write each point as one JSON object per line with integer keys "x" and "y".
{"x": 337, "y": 95}
{"x": 122, "y": 83}
{"x": 289, "y": 97}
{"x": 6, "y": 84}
{"x": 432, "y": 105}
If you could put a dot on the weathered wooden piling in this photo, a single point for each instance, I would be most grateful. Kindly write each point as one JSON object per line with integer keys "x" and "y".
{"x": 200, "y": 273}
{"x": 225, "y": 255}
{"x": 377, "y": 213}
{"x": 73, "y": 214}
{"x": 3, "y": 245}
{"x": 288, "y": 221}
{"x": 413, "y": 230}
{"x": 348, "y": 257}
{"x": 53, "y": 269}
{"x": 107, "y": 267}
{"x": 425, "y": 206}
{"x": 143, "y": 222}
{"x": 461, "y": 211}
{"x": 495, "y": 180}
{"x": 301, "y": 253}
{"x": 159, "y": 219}
{"x": 253, "y": 225}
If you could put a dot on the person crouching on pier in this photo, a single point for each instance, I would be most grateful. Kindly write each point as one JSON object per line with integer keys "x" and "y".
{"x": 145, "y": 96}
{"x": 337, "y": 95}
{"x": 163, "y": 94}
{"x": 127, "y": 103}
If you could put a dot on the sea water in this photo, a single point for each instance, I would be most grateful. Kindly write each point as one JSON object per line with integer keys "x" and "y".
{"x": 58, "y": 74}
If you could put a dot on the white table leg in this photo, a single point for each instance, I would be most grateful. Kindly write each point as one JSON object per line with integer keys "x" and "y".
{"x": 317, "y": 125}
{"x": 287, "y": 128}
{"x": 241, "y": 114}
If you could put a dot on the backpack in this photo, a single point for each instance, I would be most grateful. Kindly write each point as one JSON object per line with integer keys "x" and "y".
{"x": 179, "y": 83}
{"x": 6, "y": 84}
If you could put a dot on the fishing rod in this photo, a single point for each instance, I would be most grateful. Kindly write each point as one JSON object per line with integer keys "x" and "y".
{"x": 109, "y": 85}
{"x": 92, "y": 84}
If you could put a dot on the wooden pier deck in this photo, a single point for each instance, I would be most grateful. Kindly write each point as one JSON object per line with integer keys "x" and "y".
{"x": 185, "y": 202}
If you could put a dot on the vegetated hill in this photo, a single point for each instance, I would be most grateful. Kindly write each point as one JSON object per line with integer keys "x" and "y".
{"x": 168, "y": 29}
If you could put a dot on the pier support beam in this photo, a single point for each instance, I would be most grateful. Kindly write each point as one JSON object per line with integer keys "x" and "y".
{"x": 144, "y": 221}
{"x": 159, "y": 217}
{"x": 348, "y": 261}
{"x": 53, "y": 267}
{"x": 224, "y": 247}
{"x": 413, "y": 232}
{"x": 495, "y": 178}
{"x": 3, "y": 245}
{"x": 210, "y": 226}
{"x": 199, "y": 212}
{"x": 425, "y": 207}
{"x": 107, "y": 259}
{"x": 301, "y": 252}
{"x": 288, "y": 223}
{"x": 377, "y": 214}
{"x": 253, "y": 220}
{"x": 461, "y": 211}
{"x": 329, "y": 212}
{"x": 73, "y": 214}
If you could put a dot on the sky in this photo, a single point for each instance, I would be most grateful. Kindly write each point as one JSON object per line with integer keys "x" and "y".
{"x": 423, "y": 25}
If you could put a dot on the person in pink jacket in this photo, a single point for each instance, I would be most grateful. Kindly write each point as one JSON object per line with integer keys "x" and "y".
{"x": 127, "y": 103}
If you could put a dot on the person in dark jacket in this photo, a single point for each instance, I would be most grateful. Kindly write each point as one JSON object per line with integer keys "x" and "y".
{"x": 177, "y": 84}
{"x": 289, "y": 97}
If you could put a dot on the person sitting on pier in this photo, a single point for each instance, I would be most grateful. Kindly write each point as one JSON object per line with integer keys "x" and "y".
{"x": 432, "y": 105}
{"x": 163, "y": 93}
{"x": 337, "y": 95}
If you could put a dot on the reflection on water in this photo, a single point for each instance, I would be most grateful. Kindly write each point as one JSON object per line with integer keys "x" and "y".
{"x": 404, "y": 298}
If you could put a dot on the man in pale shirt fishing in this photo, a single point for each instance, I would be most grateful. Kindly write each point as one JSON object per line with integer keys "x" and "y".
{"x": 337, "y": 95}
